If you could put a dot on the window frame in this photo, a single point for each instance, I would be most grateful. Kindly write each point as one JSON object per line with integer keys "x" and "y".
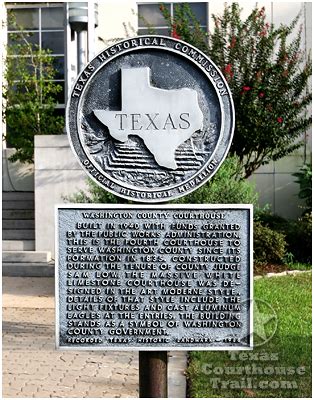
{"x": 40, "y": 31}
{"x": 172, "y": 4}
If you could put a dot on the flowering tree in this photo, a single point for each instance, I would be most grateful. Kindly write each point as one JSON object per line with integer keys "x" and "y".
{"x": 267, "y": 73}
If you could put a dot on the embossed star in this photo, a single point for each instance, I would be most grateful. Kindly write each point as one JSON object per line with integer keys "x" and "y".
{"x": 261, "y": 320}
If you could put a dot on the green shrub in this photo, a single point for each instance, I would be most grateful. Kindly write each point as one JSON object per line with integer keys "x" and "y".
{"x": 298, "y": 234}
{"x": 95, "y": 194}
{"x": 299, "y": 238}
{"x": 226, "y": 187}
{"x": 269, "y": 245}
{"x": 305, "y": 181}
{"x": 272, "y": 221}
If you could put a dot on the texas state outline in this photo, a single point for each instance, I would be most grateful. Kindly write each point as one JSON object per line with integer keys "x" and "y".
{"x": 163, "y": 119}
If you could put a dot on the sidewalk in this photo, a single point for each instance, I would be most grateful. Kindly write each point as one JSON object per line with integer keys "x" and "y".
{"x": 33, "y": 368}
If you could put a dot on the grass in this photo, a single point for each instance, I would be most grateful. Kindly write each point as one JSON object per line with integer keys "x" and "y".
{"x": 290, "y": 348}
{"x": 299, "y": 266}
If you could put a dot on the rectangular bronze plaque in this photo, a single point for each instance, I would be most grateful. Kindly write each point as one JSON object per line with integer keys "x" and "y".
{"x": 154, "y": 277}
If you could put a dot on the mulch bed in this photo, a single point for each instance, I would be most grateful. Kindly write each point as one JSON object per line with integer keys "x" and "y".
{"x": 265, "y": 269}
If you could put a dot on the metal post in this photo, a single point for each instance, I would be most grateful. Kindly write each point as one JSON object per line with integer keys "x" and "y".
{"x": 153, "y": 367}
{"x": 81, "y": 52}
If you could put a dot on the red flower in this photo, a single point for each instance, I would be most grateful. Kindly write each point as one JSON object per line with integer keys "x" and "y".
{"x": 228, "y": 70}
{"x": 261, "y": 94}
{"x": 246, "y": 88}
{"x": 280, "y": 120}
{"x": 174, "y": 33}
{"x": 161, "y": 7}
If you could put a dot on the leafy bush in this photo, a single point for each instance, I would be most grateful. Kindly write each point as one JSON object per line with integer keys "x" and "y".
{"x": 269, "y": 245}
{"x": 305, "y": 181}
{"x": 299, "y": 238}
{"x": 272, "y": 221}
{"x": 298, "y": 234}
{"x": 225, "y": 187}
{"x": 95, "y": 194}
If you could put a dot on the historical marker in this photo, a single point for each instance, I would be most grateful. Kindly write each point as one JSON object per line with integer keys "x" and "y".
{"x": 154, "y": 277}
{"x": 150, "y": 118}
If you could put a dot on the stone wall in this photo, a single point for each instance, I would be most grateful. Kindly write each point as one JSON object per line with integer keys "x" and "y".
{"x": 16, "y": 177}
{"x": 277, "y": 187}
{"x": 57, "y": 174}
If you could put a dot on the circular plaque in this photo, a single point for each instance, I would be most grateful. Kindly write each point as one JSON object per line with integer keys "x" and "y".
{"x": 150, "y": 118}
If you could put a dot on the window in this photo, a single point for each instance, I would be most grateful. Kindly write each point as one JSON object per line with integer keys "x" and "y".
{"x": 44, "y": 26}
{"x": 150, "y": 16}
